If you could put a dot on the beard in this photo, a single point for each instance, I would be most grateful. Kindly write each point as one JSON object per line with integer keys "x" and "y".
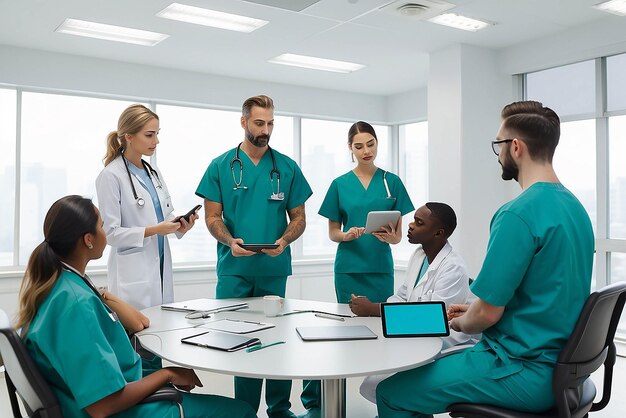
{"x": 259, "y": 140}
{"x": 510, "y": 170}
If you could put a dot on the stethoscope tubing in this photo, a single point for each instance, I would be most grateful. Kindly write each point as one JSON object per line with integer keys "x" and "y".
{"x": 273, "y": 172}
{"x": 151, "y": 173}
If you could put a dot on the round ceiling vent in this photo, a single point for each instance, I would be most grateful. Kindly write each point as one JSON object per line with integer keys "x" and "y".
{"x": 412, "y": 9}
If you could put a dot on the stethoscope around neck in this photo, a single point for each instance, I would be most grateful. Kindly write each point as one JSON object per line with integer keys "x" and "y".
{"x": 151, "y": 173}
{"x": 276, "y": 195}
{"x": 387, "y": 186}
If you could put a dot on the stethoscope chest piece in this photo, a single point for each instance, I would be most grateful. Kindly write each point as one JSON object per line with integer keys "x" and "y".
{"x": 277, "y": 196}
{"x": 140, "y": 202}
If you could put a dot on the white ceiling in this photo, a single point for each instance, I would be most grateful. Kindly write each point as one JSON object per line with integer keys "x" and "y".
{"x": 394, "y": 48}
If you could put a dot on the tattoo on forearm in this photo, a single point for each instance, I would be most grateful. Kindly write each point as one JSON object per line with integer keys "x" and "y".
{"x": 297, "y": 223}
{"x": 218, "y": 229}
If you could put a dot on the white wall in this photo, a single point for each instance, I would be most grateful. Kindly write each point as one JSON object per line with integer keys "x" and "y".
{"x": 40, "y": 69}
{"x": 410, "y": 106}
{"x": 580, "y": 43}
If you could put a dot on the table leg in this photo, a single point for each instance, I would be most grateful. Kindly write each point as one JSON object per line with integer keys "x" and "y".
{"x": 333, "y": 398}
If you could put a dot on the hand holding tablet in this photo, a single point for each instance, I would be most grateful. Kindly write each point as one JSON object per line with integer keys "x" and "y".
{"x": 377, "y": 219}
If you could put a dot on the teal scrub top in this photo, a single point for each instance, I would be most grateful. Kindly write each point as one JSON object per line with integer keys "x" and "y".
{"x": 538, "y": 266}
{"x": 82, "y": 351}
{"x": 348, "y": 202}
{"x": 250, "y": 214}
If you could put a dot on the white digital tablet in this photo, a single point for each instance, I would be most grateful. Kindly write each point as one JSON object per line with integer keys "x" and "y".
{"x": 414, "y": 319}
{"x": 377, "y": 219}
{"x": 336, "y": 333}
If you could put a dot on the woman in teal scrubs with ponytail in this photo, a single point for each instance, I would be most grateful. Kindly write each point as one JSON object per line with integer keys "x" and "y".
{"x": 363, "y": 264}
{"x": 78, "y": 343}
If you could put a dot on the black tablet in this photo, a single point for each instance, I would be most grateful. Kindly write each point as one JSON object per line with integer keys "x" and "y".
{"x": 258, "y": 247}
{"x": 224, "y": 341}
{"x": 414, "y": 319}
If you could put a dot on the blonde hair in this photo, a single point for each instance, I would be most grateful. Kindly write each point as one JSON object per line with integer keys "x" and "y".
{"x": 131, "y": 121}
{"x": 66, "y": 222}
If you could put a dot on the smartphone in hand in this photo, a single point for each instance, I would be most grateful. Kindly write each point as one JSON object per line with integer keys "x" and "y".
{"x": 188, "y": 214}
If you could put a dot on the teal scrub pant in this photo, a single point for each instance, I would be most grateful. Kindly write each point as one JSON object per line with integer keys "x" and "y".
{"x": 195, "y": 405}
{"x": 277, "y": 392}
{"x": 377, "y": 287}
{"x": 476, "y": 375}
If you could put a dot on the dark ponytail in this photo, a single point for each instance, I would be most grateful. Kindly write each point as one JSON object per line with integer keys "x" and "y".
{"x": 66, "y": 222}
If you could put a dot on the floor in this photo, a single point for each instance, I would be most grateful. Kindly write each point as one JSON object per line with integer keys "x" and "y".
{"x": 357, "y": 407}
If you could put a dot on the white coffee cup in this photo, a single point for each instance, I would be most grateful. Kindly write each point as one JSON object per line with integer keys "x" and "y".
{"x": 272, "y": 305}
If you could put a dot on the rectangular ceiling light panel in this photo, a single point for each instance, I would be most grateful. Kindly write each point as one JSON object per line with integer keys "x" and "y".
{"x": 212, "y": 18}
{"x": 316, "y": 63}
{"x": 110, "y": 32}
{"x": 617, "y": 7}
{"x": 459, "y": 22}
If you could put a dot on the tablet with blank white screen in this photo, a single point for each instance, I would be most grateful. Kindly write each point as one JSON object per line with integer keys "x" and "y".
{"x": 336, "y": 333}
{"x": 414, "y": 319}
{"x": 377, "y": 219}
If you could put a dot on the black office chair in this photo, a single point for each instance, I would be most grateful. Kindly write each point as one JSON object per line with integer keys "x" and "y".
{"x": 589, "y": 346}
{"x": 37, "y": 397}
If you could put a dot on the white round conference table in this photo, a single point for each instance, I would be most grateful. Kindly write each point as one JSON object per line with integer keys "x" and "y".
{"x": 329, "y": 361}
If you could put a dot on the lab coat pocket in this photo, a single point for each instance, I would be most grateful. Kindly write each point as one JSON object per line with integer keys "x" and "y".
{"x": 131, "y": 266}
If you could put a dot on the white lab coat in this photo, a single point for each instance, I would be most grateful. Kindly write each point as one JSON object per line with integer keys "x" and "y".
{"x": 133, "y": 268}
{"x": 447, "y": 280}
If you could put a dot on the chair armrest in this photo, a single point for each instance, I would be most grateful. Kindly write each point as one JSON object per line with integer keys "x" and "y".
{"x": 164, "y": 394}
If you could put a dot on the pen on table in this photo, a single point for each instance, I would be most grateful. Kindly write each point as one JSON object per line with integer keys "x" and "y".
{"x": 329, "y": 316}
{"x": 262, "y": 346}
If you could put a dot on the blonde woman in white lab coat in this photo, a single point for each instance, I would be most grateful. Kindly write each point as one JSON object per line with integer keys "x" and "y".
{"x": 137, "y": 212}
{"x": 434, "y": 272}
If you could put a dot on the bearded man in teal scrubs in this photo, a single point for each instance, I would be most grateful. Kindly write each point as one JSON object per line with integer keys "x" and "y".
{"x": 248, "y": 193}
{"x": 535, "y": 278}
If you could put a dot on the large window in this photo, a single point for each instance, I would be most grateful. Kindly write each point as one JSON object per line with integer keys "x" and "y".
{"x": 575, "y": 162}
{"x": 617, "y": 177}
{"x": 568, "y": 90}
{"x": 413, "y": 153}
{"x": 53, "y": 145}
{"x": 7, "y": 174}
{"x": 62, "y": 145}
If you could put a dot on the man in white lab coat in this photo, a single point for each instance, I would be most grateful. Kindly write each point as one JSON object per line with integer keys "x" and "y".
{"x": 434, "y": 272}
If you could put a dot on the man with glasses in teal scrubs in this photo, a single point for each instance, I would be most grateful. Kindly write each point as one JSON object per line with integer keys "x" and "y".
{"x": 531, "y": 288}
{"x": 248, "y": 193}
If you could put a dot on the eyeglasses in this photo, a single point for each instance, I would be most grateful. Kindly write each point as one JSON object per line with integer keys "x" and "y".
{"x": 495, "y": 145}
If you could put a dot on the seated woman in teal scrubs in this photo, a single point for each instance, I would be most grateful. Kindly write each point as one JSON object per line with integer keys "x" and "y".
{"x": 78, "y": 343}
